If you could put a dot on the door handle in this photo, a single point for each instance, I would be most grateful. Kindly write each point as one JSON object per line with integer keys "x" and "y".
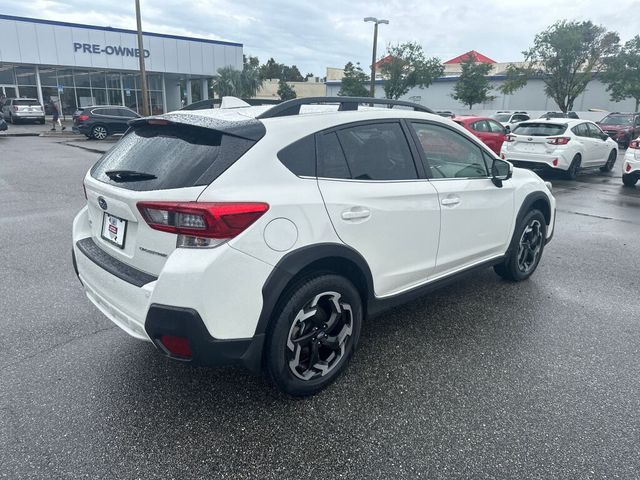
{"x": 450, "y": 201}
{"x": 356, "y": 214}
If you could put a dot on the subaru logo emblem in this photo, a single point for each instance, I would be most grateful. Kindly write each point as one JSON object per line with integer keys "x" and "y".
{"x": 530, "y": 139}
{"x": 102, "y": 202}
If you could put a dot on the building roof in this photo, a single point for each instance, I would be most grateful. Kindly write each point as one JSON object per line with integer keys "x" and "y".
{"x": 111, "y": 29}
{"x": 477, "y": 57}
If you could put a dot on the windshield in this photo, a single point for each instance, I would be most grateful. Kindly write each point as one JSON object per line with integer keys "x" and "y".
{"x": 540, "y": 129}
{"x": 26, "y": 102}
{"x": 172, "y": 156}
{"x": 501, "y": 117}
{"x": 617, "y": 120}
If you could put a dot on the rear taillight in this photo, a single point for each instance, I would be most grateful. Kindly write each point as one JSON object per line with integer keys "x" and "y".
{"x": 200, "y": 224}
{"x": 627, "y": 167}
{"x": 558, "y": 140}
{"x": 510, "y": 138}
{"x": 635, "y": 144}
{"x": 83, "y": 118}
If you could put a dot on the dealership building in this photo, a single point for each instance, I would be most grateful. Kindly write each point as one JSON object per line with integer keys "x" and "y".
{"x": 80, "y": 65}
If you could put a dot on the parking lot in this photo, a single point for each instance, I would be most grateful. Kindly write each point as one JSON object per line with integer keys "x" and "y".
{"x": 483, "y": 379}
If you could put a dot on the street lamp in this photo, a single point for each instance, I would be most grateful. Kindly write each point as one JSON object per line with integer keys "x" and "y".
{"x": 376, "y": 22}
{"x": 143, "y": 73}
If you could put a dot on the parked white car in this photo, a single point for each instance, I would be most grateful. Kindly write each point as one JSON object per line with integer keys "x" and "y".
{"x": 510, "y": 119}
{"x": 560, "y": 144}
{"x": 262, "y": 236}
{"x": 631, "y": 166}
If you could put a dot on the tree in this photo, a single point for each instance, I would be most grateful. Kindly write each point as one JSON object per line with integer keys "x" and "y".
{"x": 516, "y": 78}
{"x": 243, "y": 84}
{"x": 408, "y": 67}
{"x": 285, "y": 91}
{"x": 271, "y": 69}
{"x": 354, "y": 81}
{"x": 566, "y": 55}
{"x": 473, "y": 87}
{"x": 622, "y": 73}
{"x": 291, "y": 74}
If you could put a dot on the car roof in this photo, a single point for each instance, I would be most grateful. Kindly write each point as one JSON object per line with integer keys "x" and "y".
{"x": 104, "y": 106}
{"x": 568, "y": 121}
{"x": 472, "y": 118}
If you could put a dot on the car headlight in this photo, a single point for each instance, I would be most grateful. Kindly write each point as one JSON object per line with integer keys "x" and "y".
{"x": 549, "y": 186}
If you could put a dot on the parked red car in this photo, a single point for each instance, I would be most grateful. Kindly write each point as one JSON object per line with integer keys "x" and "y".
{"x": 486, "y": 129}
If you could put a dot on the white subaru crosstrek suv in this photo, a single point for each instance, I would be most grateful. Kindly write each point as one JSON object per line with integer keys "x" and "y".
{"x": 263, "y": 236}
{"x": 631, "y": 165}
{"x": 563, "y": 144}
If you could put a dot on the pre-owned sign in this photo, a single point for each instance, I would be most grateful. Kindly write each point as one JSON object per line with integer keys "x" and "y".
{"x": 95, "y": 48}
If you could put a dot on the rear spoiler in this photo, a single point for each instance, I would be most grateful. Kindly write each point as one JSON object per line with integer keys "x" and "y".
{"x": 243, "y": 127}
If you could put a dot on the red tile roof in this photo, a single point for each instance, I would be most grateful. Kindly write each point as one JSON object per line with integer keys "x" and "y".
{"x": 478, "y": 57}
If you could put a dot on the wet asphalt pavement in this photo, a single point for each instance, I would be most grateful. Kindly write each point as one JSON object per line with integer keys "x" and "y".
{"x": 483, "y": 379}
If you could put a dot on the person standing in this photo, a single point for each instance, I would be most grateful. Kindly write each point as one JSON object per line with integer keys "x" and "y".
{"x": 56, "y": 116}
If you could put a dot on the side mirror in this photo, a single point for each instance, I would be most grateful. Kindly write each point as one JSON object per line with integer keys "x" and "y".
{"x": 500, "y": 172}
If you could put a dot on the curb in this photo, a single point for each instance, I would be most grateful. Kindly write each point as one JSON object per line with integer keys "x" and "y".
{"x": 88, "y": 149}
{"x": 19, "y": 135}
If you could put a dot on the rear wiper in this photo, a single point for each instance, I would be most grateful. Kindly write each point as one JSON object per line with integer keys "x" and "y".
{"x": 129, "y": 176}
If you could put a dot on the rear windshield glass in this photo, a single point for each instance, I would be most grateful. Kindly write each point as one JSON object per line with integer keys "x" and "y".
{"x": 26, "y": 102}
{"x": 502, "y": 118}
{"x": 540, "y": 129}
{"x": 177, "y": 155}
{"x": 617, "y": 120}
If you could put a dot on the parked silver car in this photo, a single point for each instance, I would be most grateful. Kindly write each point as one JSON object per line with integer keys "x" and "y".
{"x": 16, "y": 110}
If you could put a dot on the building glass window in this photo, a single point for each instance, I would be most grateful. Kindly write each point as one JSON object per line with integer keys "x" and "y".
{"x": 26, "y": 75}
{"x": 154, "y": 81}
{"x": 155, "y": 103}
{"x": 113, "y": 81}
{"x": 48, "y": 77}
{"x": 65, "y": 78}
{"x": 196, "y": 90}
{"x": 97, "y": 80}
{"x": 6, "y": 75}
{"x": 28, "y": 92}
{"x": 84, "y": 97}
{"x": 99, "y": 96}
{"x": 82, "y": 79}
{"x": 115, "y": 97}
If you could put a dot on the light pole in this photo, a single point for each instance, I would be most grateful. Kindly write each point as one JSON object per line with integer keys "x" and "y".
{"x": 143, "y": 74}
{"x": 376, "y": 22}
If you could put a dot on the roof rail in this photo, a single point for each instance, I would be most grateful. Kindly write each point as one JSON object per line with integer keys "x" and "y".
{"x": 292, "y": 107}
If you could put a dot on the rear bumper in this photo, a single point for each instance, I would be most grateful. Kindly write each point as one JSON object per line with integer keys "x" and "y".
{"x": 537, "y": 161}
{"x": 206, "y": 350}
{"x": 213, "y": 297}
{"x": 28, "y": 116}
{"x": 83, "y": 129}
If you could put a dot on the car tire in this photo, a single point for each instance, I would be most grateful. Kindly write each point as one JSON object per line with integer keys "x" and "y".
{"x": 321, "y": 317}
{"x": 572, "y": 171}
{"x": 629, "y": 180}
{"x": 41, "y": 121}
{"x": 99, "y": 132}
{"x": 527, "y": 246}
{"x": 611, "y": 161}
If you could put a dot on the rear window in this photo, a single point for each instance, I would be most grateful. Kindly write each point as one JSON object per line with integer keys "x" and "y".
{"x": 617, "y": 120}
{"x": 26, "y": 102}
{"x": 178, "y": 156}
{"x": 540, "y": 129}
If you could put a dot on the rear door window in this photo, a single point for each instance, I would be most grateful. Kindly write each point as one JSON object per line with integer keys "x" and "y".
{"x": 540, "y": 129}
{"x": 331, "y": 160}
{"x": 377, "y": 151}
{"x": 177, "y": 155}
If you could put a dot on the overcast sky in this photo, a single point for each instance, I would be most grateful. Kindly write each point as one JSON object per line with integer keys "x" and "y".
{"x": 319, "y": 33}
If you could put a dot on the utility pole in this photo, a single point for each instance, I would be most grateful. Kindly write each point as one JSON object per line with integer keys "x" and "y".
{"x": 143, "y": 74}
{"x": 376, "y": 22}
